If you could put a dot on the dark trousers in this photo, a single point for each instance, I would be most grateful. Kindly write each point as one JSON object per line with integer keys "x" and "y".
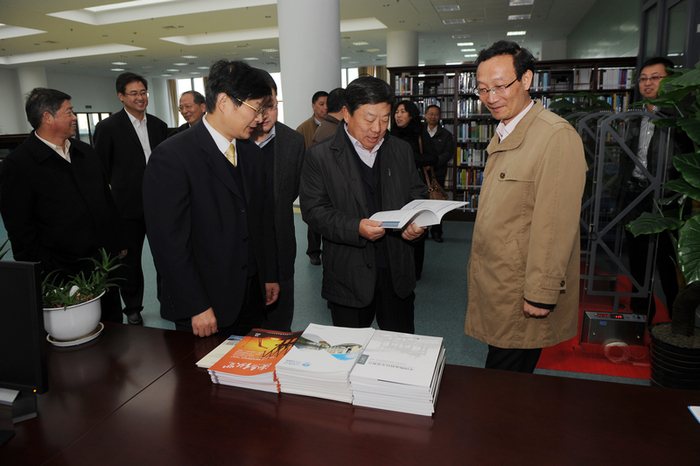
{"x": 419, "y": 255}
{"x": 514, "y": 360}
{"x": 249, "y": 317}
{"x": 131, "y": 288}
{"x": 279, "y": 315}
{"x": 393, "y": 313}
{"x": 314, "y": 248}
{"x": 111, "y": 305}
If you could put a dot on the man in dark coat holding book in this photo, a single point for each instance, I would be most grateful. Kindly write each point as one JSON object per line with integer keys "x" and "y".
{"x": 361, "y": 170}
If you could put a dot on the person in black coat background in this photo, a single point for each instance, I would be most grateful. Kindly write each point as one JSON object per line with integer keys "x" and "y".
{"x": 55, "y": 199}
{"x": 406, "y": 125}
{"x": 444, "y": 147}
{"x": 124, "y": 142}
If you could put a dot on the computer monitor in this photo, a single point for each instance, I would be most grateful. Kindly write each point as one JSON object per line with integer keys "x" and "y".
{"x": 22, "y": 335}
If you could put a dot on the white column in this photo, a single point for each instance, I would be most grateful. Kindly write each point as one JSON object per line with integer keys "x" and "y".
{"x": 309, "y": 38}
{"x": 401, "y": 48}
{"x": 30, "y": 77}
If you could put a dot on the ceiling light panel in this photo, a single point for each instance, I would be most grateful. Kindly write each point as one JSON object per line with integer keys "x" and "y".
{"x": 518, "y": 17}
{"x": 446, "y": 8}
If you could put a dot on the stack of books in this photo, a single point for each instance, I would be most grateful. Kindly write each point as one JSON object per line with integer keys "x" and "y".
{"x": 319, "y": 365}
{"x": 251, "y": 362}
{"x": 399, "y": 372}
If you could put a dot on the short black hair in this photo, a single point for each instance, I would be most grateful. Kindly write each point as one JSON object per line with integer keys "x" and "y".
{"x": 198, "y": 97}
{"x": 336, "y": 100}
{"x": 41, "y": 100}
{"x": 522, "y": 57}
{"x": 410, "y": 108}
{"x": 236, "y": 79}
{"x": 269, "y": 80}
{"x": 127, "y": 78}
{"x": 368, "y": 90}
{"x": 318, "y": 95}
{"x": 656, "y": 61}
{"x": 432, "y": 106}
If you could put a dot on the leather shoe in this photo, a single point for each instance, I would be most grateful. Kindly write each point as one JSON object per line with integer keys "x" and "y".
{"x": 438, "y": 239}
{"x": 315, "y": 260}
{"x": 134, "y": 318}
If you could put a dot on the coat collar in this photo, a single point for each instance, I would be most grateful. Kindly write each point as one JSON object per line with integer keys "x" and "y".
{"x": 344, "y": 155}
{"x": 516, "y": 138}
{"x": 218, "y": 163}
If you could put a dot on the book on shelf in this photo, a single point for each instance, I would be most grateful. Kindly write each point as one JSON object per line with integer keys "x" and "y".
{"x": 320, "y": 362}
{"x": 219, "y": 352}
{"x": 422, "y": 212}
{"x": 399, "y": 372}
{"x": 251, "y": 362}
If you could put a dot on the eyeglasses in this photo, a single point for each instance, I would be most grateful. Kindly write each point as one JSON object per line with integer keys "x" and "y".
{"x": 258, "y": 111}
{"x": 496, "y": 90}
{"x": 270, "y": 108}
{"x": 136, "y": 93}
{"x": 655, "y": 79}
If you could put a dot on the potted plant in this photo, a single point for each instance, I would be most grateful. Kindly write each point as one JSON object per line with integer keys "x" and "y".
{"x": 675, "y": 346}
{"x": 72, "y": 308}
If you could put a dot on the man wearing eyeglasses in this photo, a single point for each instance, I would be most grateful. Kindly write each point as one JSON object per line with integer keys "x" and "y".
{"x": 525, "y": 255}
{"x": 124, "y": 142}
{"x": 210, "y": 213}
{"x": 283, "y": 150}
{"x": 192, "y": 108}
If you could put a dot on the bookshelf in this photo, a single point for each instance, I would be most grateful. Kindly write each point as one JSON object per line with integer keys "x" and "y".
{"x": 471, "y": 123}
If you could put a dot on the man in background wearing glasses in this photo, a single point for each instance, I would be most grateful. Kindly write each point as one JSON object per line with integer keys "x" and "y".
{"x": 524, "y": 267}
{"x": 192, "y": 108}
{"x": 124, "y": 142}
{"x": 210, "y": 214}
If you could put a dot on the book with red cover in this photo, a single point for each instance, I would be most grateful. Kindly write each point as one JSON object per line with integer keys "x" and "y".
{"x": 251, "y": 363}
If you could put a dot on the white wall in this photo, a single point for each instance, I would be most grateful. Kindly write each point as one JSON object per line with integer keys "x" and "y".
{"x": 12, "y": 117}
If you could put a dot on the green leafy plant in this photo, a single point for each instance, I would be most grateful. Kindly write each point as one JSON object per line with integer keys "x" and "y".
{"x": 80, "y": 287}
{"x": 4, "y": 249}
{"x": 679, "y": 90}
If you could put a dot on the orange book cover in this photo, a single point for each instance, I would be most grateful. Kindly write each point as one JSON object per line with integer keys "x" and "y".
{"x": 256, "y": 354}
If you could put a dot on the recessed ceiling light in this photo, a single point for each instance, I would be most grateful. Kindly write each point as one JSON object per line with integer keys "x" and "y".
{"x": 189, "y": 57}
{"x": 373, "y": 50}
{"x": 382, "y": 55}
{"x": 202, "y": 67}
{"x": 345, "y": 58}
{"x": 194, "y": 72}
{"x": 461, "y": 36}
{"x": 117, "y": 69}
{"x": 465, "y": 44}
{"x": 250, "y": 58}
{"x": 270, "y": 50}
{"x": 360, "y": 43}
{"x": 448, "y": 22}
{"x": 468, "y": 50}
{"x": 180, "y": 64}
{"x": 122, "y": 5}
{"x": 166, "y": 75}
{"x": 516, "y": 33}
{"x": 444, "y": 8}
{"x": 470, "y": 55}
{"x": 118, "y": 63}
{"x": 521, "y": 2}
{"x": 453, "y": 63}
{"x": 518, "y": 17}
{"x": 173, "y": 71}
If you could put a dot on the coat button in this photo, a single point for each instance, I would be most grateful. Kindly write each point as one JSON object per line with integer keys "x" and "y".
{"x": 502, "y": 175}
{"x": 562, "y": 283}
{"x": 369, "y": 266}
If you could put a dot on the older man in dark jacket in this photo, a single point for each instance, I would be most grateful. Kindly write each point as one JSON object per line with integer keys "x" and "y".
{"x": 367, "y": 270}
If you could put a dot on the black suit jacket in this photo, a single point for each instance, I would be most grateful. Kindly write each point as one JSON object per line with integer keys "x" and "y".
{"x": 289, "y": 149}
{"x": 179, "y": 129}
{"x": 119, "y": 148}
{"x": 444, "y": 147}
{"x": 200, "y": 222}
{"x": 57, "y": 212}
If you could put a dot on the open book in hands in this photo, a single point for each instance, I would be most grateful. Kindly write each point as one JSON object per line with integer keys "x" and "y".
{"x": 422, "y": 212}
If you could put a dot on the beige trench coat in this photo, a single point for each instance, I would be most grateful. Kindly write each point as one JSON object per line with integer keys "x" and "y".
{"x": 526, "y": 235}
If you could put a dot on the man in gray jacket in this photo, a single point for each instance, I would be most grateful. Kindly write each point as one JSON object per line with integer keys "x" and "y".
{"x": 367, "y": 270}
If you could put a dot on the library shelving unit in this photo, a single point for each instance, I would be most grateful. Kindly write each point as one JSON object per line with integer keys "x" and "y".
{"x": 450, "y": 87}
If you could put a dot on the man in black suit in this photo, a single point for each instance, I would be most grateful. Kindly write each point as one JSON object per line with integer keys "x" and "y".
{"x": 192, "y": 108}
{"x": 444, "y": 147}
{"x": 55, "y": 199}
{"x": 283, "y": 149}
{"x": 211, "y": 220}
{"x": 124, "y": 142}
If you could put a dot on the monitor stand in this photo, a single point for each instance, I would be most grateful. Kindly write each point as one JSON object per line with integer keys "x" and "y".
{"x": 24, "y": 406}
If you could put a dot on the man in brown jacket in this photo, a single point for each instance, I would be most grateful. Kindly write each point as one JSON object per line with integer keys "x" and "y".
{"x": 524, "y": 266}
{"x": 309, "y": 127}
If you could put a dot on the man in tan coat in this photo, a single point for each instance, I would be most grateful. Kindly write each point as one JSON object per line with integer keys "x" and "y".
{"x": 524, "y": 265}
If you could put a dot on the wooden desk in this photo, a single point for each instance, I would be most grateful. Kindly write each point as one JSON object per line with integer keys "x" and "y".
{"x": 136, "y": 410}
